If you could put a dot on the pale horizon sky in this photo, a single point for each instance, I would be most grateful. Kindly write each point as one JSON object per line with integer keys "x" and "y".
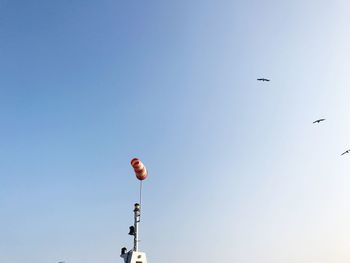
{"x": 237, "y": 170}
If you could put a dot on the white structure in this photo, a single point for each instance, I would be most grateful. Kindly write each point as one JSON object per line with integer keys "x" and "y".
{"x": 134, "y": 255}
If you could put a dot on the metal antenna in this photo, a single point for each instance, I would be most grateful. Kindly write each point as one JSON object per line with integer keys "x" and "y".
{"x": 137, "y": 215}
{"x": 140, "y": 193}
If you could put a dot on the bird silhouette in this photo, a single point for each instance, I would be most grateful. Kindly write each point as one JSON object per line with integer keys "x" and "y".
{"x": 319, "y": 120}
{"x": 348, "y": 151}
{"x": 263, "y": 79}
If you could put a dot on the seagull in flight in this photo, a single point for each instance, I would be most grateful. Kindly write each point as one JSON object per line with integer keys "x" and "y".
{"x": 319, "y": 120}
{"x": 263, "y": 79}
{"x": 348, "y": 151}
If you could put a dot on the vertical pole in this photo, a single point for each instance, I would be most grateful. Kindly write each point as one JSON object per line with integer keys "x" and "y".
{"x": 137, "y": 215}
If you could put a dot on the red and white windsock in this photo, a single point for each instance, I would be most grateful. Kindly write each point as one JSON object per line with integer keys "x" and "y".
{"x": 139, "y": 168}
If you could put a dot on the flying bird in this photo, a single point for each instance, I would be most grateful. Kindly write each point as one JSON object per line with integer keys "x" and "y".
{"x": 319, "y": 120}
{"x": 348, "y": 151}
{"x": 263, "y": 79}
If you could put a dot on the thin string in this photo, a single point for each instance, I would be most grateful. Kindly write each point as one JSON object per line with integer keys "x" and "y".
{"x": 140, "y": 192}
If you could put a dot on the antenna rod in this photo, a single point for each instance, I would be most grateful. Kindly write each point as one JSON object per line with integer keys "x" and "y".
{"x": 137, "y": 215}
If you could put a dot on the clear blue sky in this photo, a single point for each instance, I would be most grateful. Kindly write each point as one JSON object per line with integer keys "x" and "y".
{"x": 238, "y": 172}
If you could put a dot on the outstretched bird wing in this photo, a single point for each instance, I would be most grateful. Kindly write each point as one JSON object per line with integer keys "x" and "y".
{"x": 345, "y": 152}
{"x": 319, "y": 120}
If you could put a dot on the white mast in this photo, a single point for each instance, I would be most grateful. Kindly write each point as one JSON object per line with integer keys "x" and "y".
{"x": 134, "y": 255}
{"x": 137, "y": 216}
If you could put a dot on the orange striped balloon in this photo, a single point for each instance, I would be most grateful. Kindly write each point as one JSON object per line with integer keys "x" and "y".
{"x": 139, "y": 168}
